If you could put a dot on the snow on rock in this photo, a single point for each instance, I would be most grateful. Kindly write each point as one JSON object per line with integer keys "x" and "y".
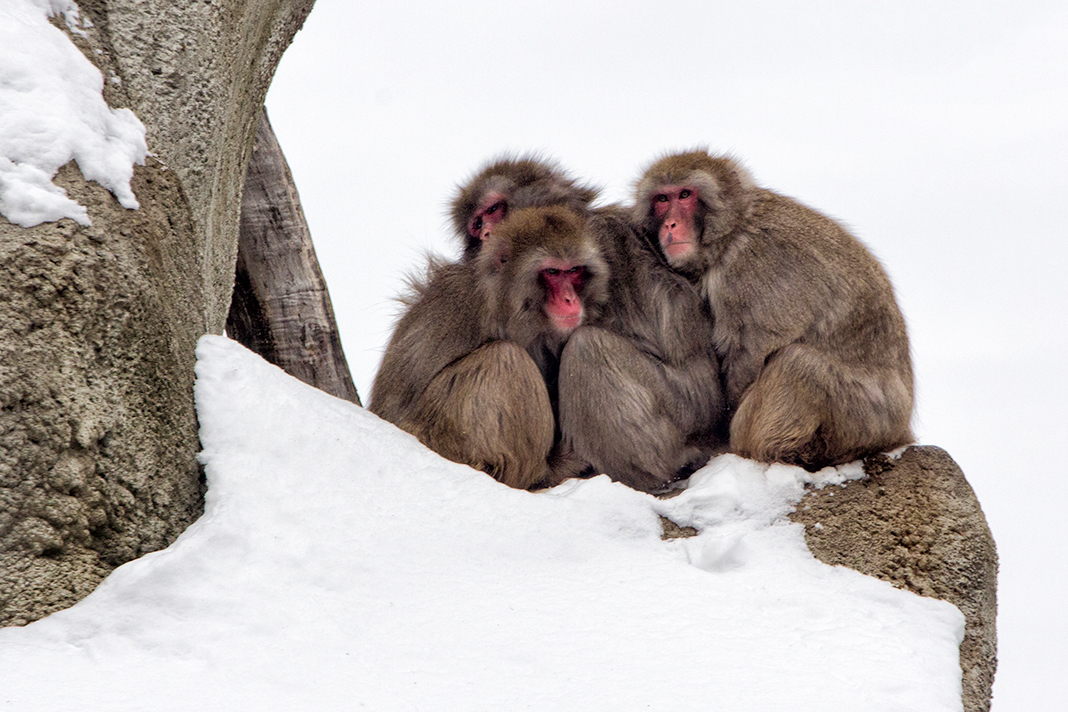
{"x": 52, "y": 111}
{"x": 341, "y": 565}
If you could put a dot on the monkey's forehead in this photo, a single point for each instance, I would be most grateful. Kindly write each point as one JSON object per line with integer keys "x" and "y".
{"x": 690, "y": 167}
{"x": 541, "y": 225}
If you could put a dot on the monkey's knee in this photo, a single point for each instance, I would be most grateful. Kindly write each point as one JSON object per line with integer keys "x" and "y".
{"x": 809, "y": 410}
{"x": 776, "y": 423}
{"x": 615, "y": 412}
{"x": 490, "y": 410}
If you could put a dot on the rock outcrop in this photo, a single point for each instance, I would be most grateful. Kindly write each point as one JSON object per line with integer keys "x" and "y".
{"x": 916, "y": 523}
{"x": 98, "y": 434}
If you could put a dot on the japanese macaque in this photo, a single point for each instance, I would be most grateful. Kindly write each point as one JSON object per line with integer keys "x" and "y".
{"x": 506, "y": 184}
{"x": 813, "y": 347}
{"x": 472, "y": 364}
{"x": 640, "y": 393}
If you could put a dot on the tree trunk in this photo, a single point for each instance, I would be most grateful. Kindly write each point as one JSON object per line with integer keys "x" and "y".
{"x": 281, "y": 307}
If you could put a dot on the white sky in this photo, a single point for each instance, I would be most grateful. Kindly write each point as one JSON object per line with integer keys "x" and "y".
{"x": 936, "y": 130}
{"x": 341, "y": 565}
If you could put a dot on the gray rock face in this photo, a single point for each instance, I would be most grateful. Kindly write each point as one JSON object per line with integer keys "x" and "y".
{"x": 98, "y": 434}
{"x": 916, "y": 523}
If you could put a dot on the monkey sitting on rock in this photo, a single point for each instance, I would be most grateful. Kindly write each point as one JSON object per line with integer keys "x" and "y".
{"x": 813, "y": 347}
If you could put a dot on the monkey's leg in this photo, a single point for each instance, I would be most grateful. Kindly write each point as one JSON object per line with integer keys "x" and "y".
{"x": 811, "y": 409}
{"x": 619, "y": 411}
{"x": 489, "y": 410}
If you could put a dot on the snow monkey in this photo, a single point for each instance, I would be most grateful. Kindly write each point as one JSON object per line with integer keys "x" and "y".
{"x": 472, "y": 364}
{"x": 813, "y": 347}
{"x": 506, "y": 184}
{"x": 640, "y": 395}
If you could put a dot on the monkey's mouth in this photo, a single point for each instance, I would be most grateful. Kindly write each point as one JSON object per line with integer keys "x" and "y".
{"x": 566, "y": 323}
{"x": 676, "y": 248}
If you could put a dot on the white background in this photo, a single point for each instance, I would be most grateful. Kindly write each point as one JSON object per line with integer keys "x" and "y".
{"x": 937, "y": 131}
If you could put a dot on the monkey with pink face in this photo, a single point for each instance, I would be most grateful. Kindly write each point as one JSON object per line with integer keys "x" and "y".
{"x": 470, "y": 369}
{"x": 559, "y": 342}
{"x": 812, "y": 345}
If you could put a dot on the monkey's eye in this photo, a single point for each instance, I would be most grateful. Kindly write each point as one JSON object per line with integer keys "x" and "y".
{"x": 495, "y": 207}
{"x": 477, "y": 224}
{"x": 662, "y": 198}
{"x": 552, "y": 270}
{"x": 685, "y": 193}
{"x": 577, "y": 270}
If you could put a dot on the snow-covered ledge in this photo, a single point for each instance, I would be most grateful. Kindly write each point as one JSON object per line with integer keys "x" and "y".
{"x": 341, "y": 565}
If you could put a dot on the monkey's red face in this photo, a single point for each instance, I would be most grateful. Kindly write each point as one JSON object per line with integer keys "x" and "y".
{"x": 675, "y": 208}
{"x": 563, "y": 283}
{"x": 491, "y": 210}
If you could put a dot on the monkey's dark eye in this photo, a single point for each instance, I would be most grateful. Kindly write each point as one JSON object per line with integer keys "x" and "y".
{"x": 577, "y": 270}
{"x": 477, "y": 224}
{"x": 662, "y": 198}
{"x": 552, "y": 270}
{"x": 495, "y": 207}
{"x": 685, "y": 193}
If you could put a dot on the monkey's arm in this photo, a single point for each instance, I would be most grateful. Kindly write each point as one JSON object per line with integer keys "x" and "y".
{"x": 774, "y": 292}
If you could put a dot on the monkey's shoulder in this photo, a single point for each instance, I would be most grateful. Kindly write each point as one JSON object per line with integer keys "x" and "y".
{"x": 441, "y": 309}
{"x": 439, "y": 277}
{"x": 798, "y": 226}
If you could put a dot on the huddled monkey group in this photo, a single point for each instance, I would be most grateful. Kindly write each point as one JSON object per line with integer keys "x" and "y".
{"x": 710, "y": 316}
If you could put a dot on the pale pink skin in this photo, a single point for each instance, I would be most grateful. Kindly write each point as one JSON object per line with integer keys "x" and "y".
{"x": 675, "y": 207}
{"x": 563, "y": 305}
{"x": 490, "y": 212}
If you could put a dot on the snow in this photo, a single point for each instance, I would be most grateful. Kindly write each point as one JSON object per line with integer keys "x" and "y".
{"x": 52, "y": 111}
{"x": 340, "y": 565}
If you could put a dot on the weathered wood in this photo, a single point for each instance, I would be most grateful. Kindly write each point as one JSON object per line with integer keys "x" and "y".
{"x": 281, "y": 306}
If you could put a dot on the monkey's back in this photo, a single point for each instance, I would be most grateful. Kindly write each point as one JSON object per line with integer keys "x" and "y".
{"x": 441, "y": 324}
{"x": 802, "y": 274}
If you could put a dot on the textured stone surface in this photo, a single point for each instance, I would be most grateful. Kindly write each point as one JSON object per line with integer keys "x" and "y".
{"x": 98, "y": 324}
{"x": 916, "y": 523}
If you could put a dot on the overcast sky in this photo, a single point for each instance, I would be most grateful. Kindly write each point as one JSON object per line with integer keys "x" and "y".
{"x": 938, "y": 131}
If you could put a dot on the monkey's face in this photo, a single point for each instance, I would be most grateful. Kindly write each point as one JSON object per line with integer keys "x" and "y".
{"x": 563, "y": 283}
{"x": 491, "y": 210}
{"x": 676, "y": 210}
{"x": 542, "y": 275}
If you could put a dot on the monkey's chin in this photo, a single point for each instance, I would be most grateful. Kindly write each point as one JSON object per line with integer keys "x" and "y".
{"x": 565, "y": 324}
{"x": 676, "y": 251}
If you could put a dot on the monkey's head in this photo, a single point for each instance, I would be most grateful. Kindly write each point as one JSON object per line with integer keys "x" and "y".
{"x": 689, "y": 201}
{"x": 508, "y": 184}
{"x": 543, "y": 274}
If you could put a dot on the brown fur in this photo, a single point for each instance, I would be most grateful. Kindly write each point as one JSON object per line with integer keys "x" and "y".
{"x": 489, "y": 410}
{"x": 640, "y": 396}
{"x": 526, "y": 181}
{"x": 471, "y": 367}
{"x": 813, "y": 347}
